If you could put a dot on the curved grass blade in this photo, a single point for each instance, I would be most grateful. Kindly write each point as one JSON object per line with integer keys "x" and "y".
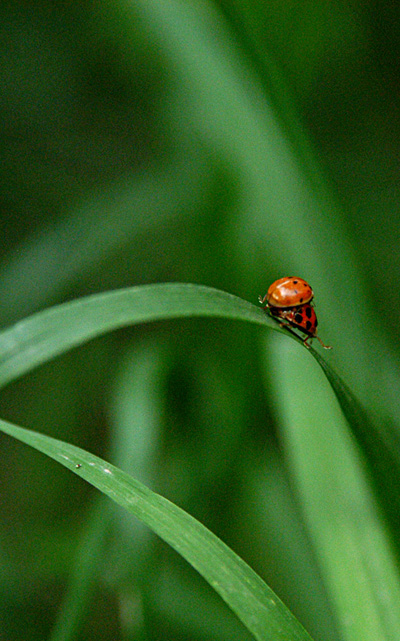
{"x": 47, "y": 334}
{"x": 256, "y": 605}
{"x": 380, "y": 444}
{"x": 345, "y": 523}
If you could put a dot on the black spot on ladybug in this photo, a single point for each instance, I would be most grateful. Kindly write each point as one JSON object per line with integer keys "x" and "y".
{"x": 308, "y": 325}
{"x": 308, "y": 312}
{"x": 295, "y": 282}
{"x": 299, "y": 318}
{"x": 301, "y": 300}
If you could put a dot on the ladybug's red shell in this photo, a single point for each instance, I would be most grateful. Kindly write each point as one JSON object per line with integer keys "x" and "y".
{"x": 288, "y": 292}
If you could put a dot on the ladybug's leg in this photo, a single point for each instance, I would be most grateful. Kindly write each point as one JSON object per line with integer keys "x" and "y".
{"x": 318, "y": 338}
{"x": 262, "y": 300}
{"x": 323, "y": 344}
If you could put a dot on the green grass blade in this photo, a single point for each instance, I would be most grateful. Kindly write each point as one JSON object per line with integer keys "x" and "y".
{"x": 256, "y": 605}
{"x": 354, "y": 550}
{"x": 380, "y": 444}
{"x": 43, "y": 336}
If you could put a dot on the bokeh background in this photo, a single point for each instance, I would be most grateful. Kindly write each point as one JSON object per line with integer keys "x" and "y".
{"x": 226, "y": 143}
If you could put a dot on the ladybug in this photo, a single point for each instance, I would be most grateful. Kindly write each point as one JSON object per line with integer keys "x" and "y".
{"x": 288, "y": 292}
{"x": 299, "y": 315}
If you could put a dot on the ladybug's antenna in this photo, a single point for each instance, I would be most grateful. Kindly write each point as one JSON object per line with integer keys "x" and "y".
{"x": 323, "y": 344}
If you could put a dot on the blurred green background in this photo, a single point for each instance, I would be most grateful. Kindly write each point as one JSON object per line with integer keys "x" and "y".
{"x": 225, "y": 143}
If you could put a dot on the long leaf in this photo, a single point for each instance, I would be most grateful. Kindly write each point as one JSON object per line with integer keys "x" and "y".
{"x": 380, "y": 444}
{"x": 354, "y": 551}
{"x": 256, "y": 605}
{"x": 47, "y": 334}
{"x": 51, "y": 332}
